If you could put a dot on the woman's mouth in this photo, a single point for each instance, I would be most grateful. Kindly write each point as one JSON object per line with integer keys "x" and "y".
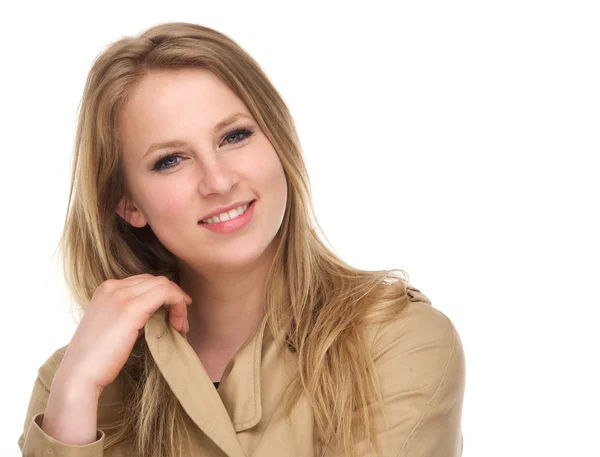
{"x": 233, "y": 224}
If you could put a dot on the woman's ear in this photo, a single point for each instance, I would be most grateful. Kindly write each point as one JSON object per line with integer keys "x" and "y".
{"x": 127, "y": 210}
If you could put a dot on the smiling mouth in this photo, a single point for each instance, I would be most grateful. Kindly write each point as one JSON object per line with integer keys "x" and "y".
{"x": 247, "y": 208}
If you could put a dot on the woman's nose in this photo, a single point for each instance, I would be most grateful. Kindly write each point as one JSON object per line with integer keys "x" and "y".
{"x": 216, "y": 177}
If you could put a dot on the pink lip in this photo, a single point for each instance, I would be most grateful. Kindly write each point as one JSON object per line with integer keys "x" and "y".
{"x": 232, "y": 225}
{"x": 224, "y": 209}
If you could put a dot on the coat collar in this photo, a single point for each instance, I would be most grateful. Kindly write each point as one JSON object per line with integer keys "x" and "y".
{"x": 236, "y": 406}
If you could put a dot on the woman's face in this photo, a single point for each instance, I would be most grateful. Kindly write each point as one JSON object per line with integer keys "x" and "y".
{"x": 173, "y": 187}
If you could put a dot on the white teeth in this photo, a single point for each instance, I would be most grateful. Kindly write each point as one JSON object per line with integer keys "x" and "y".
{"x": 228, "y": 215}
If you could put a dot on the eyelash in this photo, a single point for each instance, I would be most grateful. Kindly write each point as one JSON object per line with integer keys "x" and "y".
{"x": 160, "y": 163}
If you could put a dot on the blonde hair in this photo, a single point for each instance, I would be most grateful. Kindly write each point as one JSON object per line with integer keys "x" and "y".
{"x": 318, "y": 306}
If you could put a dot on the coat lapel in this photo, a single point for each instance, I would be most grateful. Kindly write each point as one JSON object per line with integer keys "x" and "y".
{"x": 240, "y": 386}
{"x": 194, "y": 389}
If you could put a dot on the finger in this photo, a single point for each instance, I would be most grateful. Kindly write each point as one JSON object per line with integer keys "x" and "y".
{"x": 135, "y": 279}
{"x": 164, "y": 294}
{"x": 178, "y": 316}
{"x": 177, "y": 313}
{"x": 143, "y": 285}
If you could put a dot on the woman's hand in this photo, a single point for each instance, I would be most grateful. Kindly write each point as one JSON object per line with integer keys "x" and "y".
{"x": 113, "y": 321}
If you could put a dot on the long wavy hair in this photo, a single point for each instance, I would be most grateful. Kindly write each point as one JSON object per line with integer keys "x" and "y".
{"x": 318, "y": 306}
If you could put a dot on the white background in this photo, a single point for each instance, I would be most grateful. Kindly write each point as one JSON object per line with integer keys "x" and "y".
{"x": 458, "y": 141}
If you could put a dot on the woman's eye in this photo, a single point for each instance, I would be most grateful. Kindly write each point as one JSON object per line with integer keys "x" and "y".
{"x": 166, "y": 162}
{"x": 242, "y": 134}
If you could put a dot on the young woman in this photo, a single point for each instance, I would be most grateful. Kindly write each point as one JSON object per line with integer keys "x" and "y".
{"x": 192, "y": 246}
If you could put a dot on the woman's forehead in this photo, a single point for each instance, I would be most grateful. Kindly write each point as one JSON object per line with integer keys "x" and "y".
{"x": 166, "y": 106}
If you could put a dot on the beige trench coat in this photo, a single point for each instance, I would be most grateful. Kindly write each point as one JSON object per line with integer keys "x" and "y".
{"x": 420, "y": 363}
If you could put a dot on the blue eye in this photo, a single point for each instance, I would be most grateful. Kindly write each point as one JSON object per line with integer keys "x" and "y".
{"x": 165, "y": 161}
{"x": 244, "y": 133}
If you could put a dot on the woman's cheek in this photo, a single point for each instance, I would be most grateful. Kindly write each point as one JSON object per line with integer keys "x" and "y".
{"x": 170, "y": 203}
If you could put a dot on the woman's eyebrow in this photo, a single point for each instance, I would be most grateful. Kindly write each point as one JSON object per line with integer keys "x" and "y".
{"x": 229, "y": 120}
{"x": 178, "y": 143}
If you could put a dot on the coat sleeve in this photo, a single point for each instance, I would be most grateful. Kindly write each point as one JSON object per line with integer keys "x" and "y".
{"x": 33, "y": 442}
{"x": 420, "y": 364}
